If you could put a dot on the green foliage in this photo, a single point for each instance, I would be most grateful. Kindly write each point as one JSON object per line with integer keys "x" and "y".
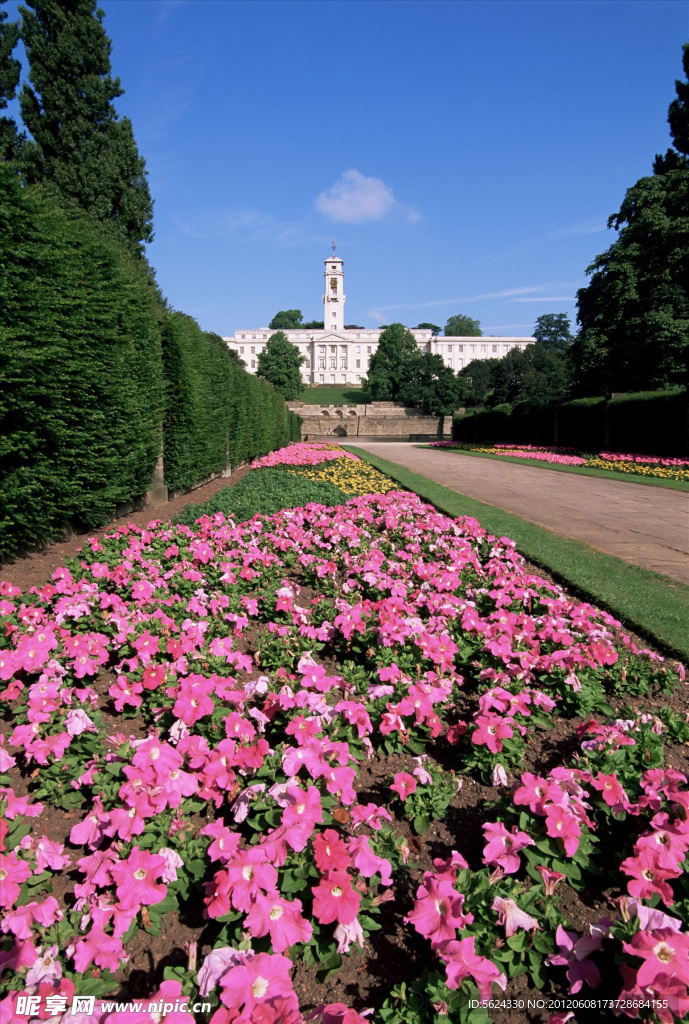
{"x": 678, "y": 119}
{"x": 79, "y": 143}
{"x": 81, "y": 392}
{"x": 10, "y": 70}
{"x": 433, "y": 328}
{"x": 265, "y": 491}
{"x": 430, "y": 385}
{"x": 653, "y": 422}
{"x": 199, "y": 374}
{"x": 553, "y": 331}
{"x": 389, "y": 366}
{"x": 478, "y": 375}
{"x": 286, "y": 319}
{"x": 460, "y": 326}
{"x": 279, "y": 363}
{"x": 216, "y": 414}
{"x": 634, "y": 313}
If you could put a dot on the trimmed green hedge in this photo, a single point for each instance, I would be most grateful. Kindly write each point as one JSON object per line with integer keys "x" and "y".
{"x": 81, "y": 388}
{"x": 216, "y": 414}
{"x": 650, "y": 422}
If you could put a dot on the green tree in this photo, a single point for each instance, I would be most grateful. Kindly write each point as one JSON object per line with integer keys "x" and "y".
{"x": 279, "y": 364}
{"x": 553, "y": 331}
{"x": 461, "y": 326}
{"x": 389, "y": 363}
{"x": 478, "y": 375}
{"x": 78, "y": 141}
{"x": 433, "y": 328}
{"x": 236, "y": 358}
{"x": 634, "y": 313}
{"x": 10, "y": 70}
{"x": 430, "y": 385}
{"x": 678, "y": 119}
{"x": 536, "y": 374}
{"x": 286, "y": 320}
{"x": 313, "y": 325}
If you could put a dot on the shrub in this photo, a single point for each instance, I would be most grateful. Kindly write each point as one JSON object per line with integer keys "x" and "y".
{"x": 81, "y": 392}
{"x": 651, "y": 422}
{"x": 265, "y": 491}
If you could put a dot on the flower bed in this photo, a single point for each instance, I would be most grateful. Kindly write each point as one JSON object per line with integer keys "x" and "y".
{"x": 618, "y": 462}
{"x": 334, "y": 759}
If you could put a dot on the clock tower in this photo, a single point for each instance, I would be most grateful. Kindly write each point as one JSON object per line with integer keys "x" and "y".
{"x": 333, "y": 299}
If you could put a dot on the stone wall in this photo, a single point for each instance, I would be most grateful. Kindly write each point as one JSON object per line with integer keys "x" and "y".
{"x": 378, "y": 419}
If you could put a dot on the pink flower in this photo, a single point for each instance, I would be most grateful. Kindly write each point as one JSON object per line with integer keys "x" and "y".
{"x": 462, "y": 961}
{"x": 573, "y": 953}
{"x": 664, "y": 951}
{"x": 503, "y": 847}
{"x": 335, "y": 900}
{"x": 491, "y": 730}
{"x": 215, "y": 967}
{"x": 262, "y": 979}
{"x": 648, "y": 877}
{"x": 438, "y": 912}
{"x": 330, "y": 852}
{"x": 346, "y": 934}
{"x": 12, "y": 873}
{"x": 104, "y": 950}
{"x": 511, "y": 917}
{"x": 550, "y": 878}
{"x": 560, "y": 824}
{"x": 404, "y": 784}
{"x": 284, "y": 921}
{"x": 136, "y": 879}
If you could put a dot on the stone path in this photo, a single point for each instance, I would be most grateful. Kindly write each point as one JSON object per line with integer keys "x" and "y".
{"x": 645, "y": 525}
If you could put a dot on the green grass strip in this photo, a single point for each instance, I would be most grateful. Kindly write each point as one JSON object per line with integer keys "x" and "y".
{"x": 334, "y": 395}
{"x": 604, "y": 474}
{"x": 652, "y": 605}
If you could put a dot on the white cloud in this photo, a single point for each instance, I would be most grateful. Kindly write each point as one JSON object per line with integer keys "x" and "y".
{"x": 547, "y": 298}
{"x": 355, "y": 199}
{"x": 515, "y": 294}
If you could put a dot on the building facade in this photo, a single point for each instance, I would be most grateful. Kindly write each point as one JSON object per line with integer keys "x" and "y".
{"x": 340, "y": 355}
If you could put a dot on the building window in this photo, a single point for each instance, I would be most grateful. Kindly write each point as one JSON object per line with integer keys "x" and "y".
{"x": 321, "y": 348}
{"x": 333, "y": 315}
{"x": 460, "y": 348}
{"x": 253, "y": 364}
{"x": 358, "y": 364}
{"x": 333, "y": 364}
{"x": 241, "y": 351}
{"x": 253, "y": 350}
{"x": 358, "y": 349}
{"x": 332, "y": 378}
{"x": 321, "y": 378}
{"x": 321, "y": 364}
{"x": 495, "y": 348}
{"x": 358, "y": 378}
{"x": 343, "y": 363}
{"x": 368, "y": 349}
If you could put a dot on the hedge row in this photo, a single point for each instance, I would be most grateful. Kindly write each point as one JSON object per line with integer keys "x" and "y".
{"x": 95, "y": 377}
{"x": 650, "y": 422}
{"x": 216, "y": 414}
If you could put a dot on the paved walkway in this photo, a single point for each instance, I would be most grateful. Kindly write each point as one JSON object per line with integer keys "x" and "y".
{"x": 645, "y": 525}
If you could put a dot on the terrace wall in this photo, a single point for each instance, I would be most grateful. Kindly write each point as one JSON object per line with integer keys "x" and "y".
{"x": 378, "y": 420}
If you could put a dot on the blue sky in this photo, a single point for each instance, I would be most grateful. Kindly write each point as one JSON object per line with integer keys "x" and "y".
{"x": 465, "y": 155}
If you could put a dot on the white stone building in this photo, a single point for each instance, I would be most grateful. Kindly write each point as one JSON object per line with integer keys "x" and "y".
{"x": 336, "y": 355}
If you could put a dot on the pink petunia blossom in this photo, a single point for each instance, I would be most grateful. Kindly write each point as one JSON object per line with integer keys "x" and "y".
{"x": 511, "y": 917}
{"x": 503, "y": 847}
{"x": 335, "y": 899}
{"x": 279, "y": 917}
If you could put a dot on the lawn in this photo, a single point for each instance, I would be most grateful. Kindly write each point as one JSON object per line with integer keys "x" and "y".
{"x": 345, "y": 764}
{"x": 344, "y": 395}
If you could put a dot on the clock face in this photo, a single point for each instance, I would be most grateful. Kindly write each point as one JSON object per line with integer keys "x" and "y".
{"x": 333, "y": 282}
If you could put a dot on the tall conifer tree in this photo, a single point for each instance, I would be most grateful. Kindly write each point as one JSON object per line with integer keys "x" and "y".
{"x": 10, "y": 69}
{"x": 79, "y": 142}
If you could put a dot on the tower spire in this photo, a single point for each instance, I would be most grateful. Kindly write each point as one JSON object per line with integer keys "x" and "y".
{"x": 333, "y": 299}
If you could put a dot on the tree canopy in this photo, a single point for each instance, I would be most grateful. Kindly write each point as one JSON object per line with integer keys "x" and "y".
{"x": 433, "y": 328}
{"x": 10, "y": 70}
{"x": 388, "y": 367}
{"x": 78, "y": 141}
{"x": 461, "y": 326}
{"x": 634, "y": 313}
{"x": 430, "y": 385}
{"x": 553, "y": 330}
{"x": 279, "y": 363}
{"x": 286, "y": 319}
{"x": 538, "y": 374}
